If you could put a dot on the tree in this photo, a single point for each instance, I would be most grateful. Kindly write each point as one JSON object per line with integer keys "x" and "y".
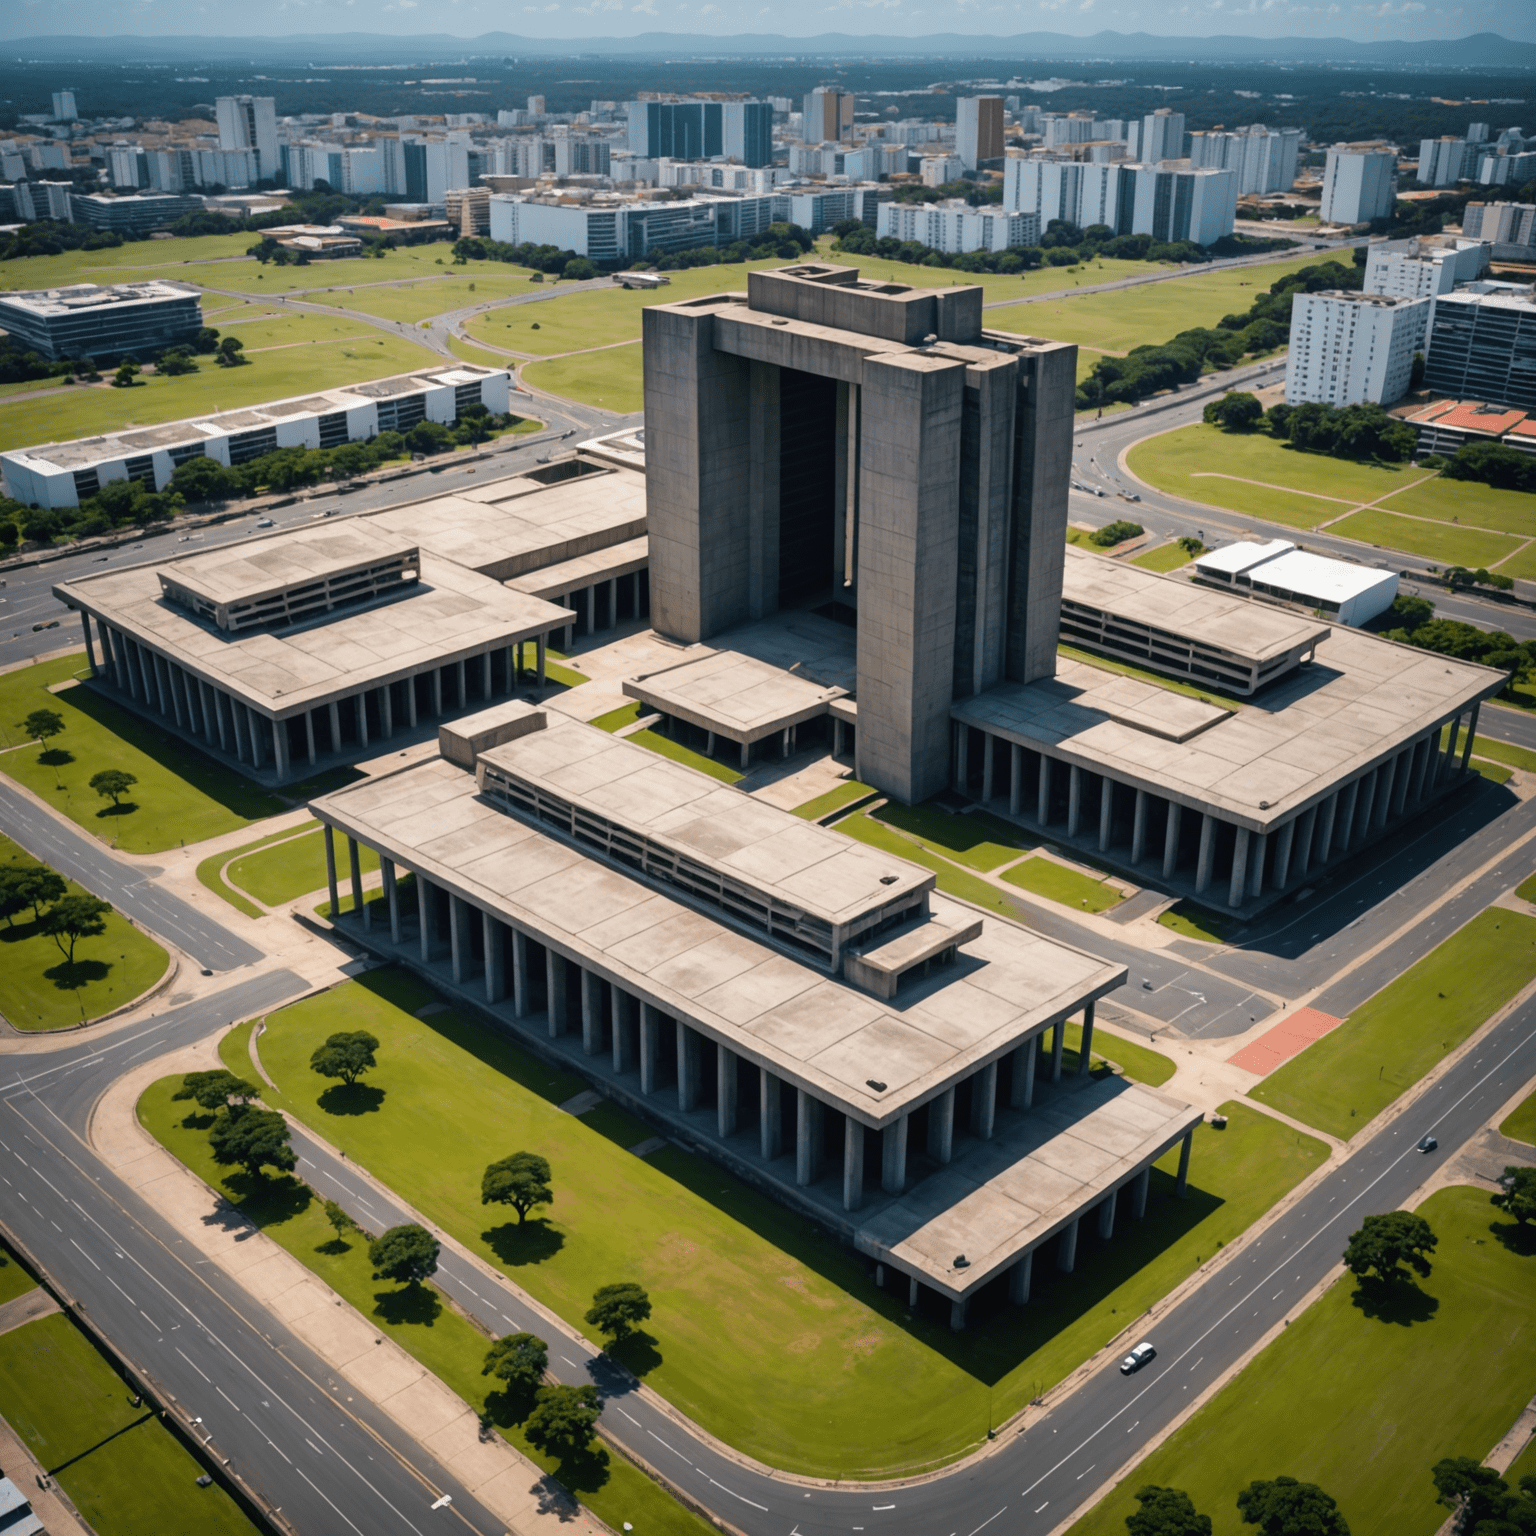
{"x": 406, "y": 1254}
{"x": 112, "y": 784}
{"x": 1517, "y": 1194}
{"x": 12, "y": 896}
{"x": 519, "y": 1359}
{"x": 205, "y": 479}
{"x": 42, "y": 725}
{"x": 254, "y": 1139}
{"x": 521, "y": 1181}
{"x": 1385, "y": 1243}
{"x": 1481, "y": 1500}
{"x": 37, "y": 886}
{"x": 177, "y": 361}
{"x": 228, "y": 354}
{"x": 563, "y": 1420}
{"x": 125, "y": 375}
{"x": 1166, "y": 1512}
{"x": 617, "y": 1309}
{"x": 346, "y": 1055}
{"x": 340, "y": 1222}
{"x": 1285, "y": 1507}
{"x": 215, "y": 1090}
{"x": 1235, "y": 411}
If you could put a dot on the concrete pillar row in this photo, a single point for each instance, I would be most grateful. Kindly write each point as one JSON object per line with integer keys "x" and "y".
{"x": 1084, "y": 1056}
{"x": 727, "y": 1075}
{"x": 853, "y": 1164}
{"x": 1019, "y": 1277}
{"x": 392, "y": 898}
{"x": 650, "y": 1047}
{"x": 1022, "y": 1092}
{"x": 591, "y": 1012}
{"x": 770, "y": 1108}
{"x": 1238, "y": 883}
{"x": 1207, "y": 857}
{"x": 355, "y": 861}
{"x": 1171, "y": 839}
{"x": 809, "y": 1115}
{"x": 941, "y": 1126}
{"x": 893, "y": 1157}
{"x": 984, "y": 1102}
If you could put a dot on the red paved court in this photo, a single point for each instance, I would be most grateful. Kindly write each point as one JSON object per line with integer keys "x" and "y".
{"x": 1285, "y": 1040}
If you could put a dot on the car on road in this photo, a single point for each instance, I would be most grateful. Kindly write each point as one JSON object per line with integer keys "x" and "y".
{"x": 266, "y": 522}
{"x": 1137, "y": 1358}
{"x": 1428, "y": 1144}
{"x": 47, "y": 624}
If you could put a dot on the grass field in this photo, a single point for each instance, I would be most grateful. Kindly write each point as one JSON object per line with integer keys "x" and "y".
{"x": 1364, "y": 1399}
{"x": 39, "y": 989}
{"x": 1166, "y": 557}
{"x": 952, "y": 880}
{"x": 1339, "y": 1083}
{"x": 610, "y": 378}
{"x": 1137, "y": 1061}
{"x": 1467, "y": 502}
{"x": 664, "y": 746}
{"x": 181, "y": 797}
{"x": 974, "y": 838}
{"x": 1520, "y": 1123}
{"x": 428, "y": 296}
{"x": 807, "y": 1384}
{"x": 850, "y": 792}
{"x": 1045, "y": 877}
{"x": 443, "y": 1339}
{"x": 1192, "y": 922}
{"x": 617, "y": 719}
{"x": 295, "y": 866}
{"x": 1145, "y": 315}
{"x": 1505, "y": 752}
{"x": 14, "y": 1279}
{"x": 124, "y": 1470}
{"x": 1495, "y": 773}
{"x": 159, "y": 257}
{"x": 1449, "y": 543}
{"x": 1521, "y": 565}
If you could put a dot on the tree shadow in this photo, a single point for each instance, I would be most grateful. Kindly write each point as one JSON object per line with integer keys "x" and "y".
{"x": 585, "y": 1471}
{"x": 1399, "y": 1302}
{"x": 531, "y": 1243}
{"x": 68, "y": 977}
{"x": 506, "y": 1407}
{"x": 353, "y": 1099}
{"x": 335, "y": 1247}
{"x": 638, "y": 1353}
{"x": 122, "y": 808}
{"x": 266, "y": 1201}
{"x": 1517, "y": 1237}
{"x": 410, "y": 1304}
{"x": 55, "y": 757}
{"x": 197, "y": 1120}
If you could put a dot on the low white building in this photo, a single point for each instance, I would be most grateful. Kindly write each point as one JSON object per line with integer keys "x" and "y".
{"x": 1347, "y": 593}
{"x": 953, "y": 227}
{"x": 1351, "y": 348}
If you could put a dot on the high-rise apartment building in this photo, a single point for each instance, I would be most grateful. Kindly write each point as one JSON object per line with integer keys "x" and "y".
{"x": 64, "y": 107}
{"x": 698, "y": 129}
{"x": 978, "y": 130}
{"x": 1264, "y": 158}
{"x": 826, "y": 114}
{"x": 1359, "y": 183}
{"x": 1500, "y": 223}
{"x": 250, "y": 122}
{"x": 1352, "y": 348}
{"x": 1482, "y": 346}
{"x": 1170, "y": 201}
{"x": 1445, "y": 161}
{"x": 536, "y": 106}
{"x": 1162, "y": 136}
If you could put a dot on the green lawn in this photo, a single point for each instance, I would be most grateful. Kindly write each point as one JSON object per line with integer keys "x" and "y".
{"x": 160, "y": 258}
{"x": 1524, "y": 1465}
{"x": 975, "y": 838}
{"x": 610, "y": 378}
{"x": 807, "y": 1385}
{"x": 850, "y": 792}
{"x": 1192, "y": 922}
{"x": 478, "y": 355}
{"x": 39, "y": 989}
{"x": 953, "y": 880}
{"x": 441, "y": 1338}
{"x": 1465, "y": 501}
{"x": 666, "y": 747}
{"x": 617, "y": 719}
{"x": 1447, "y": 542}
{"x": 1166, "y": 557}
{"x": 1521, "y": 564}
{"x": 405, "y": 264}
{"x": 294, "y": 867}
{"x": 1520, "y": 1123}
{"x": 1136, "y": 1061}
{"x": 181, "y": 796}
{"x": 428, "y": 296}
{"x": 1364, "y": 1399}
{"x": 14, "y": 1279}
{"x": 1505, "y": 752}
{"x": 1495, "y": 773}
{"x": 123, "y": 1469}
{"x": 1526, "y": 890}
{"x": 1342, "y": 1081}
{"x": 1045, "y": 877}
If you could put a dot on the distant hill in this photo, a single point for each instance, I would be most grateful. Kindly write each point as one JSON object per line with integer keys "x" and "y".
{"x": 1485, "y": 49}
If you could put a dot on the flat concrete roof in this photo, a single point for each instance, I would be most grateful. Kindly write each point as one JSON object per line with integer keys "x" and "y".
{"x": 447, "y": 614}
{"x": 1290, "y": 745}
{"x": 1177, "y": 607}
{"x": 1317, "y": 577}
{"x": 777, "y": 1011}
{"x": 736, "y": 696}
{"x": 605, "y": 564}
{"x": 77, "y": 297}
{"x": 1241, "y": 555}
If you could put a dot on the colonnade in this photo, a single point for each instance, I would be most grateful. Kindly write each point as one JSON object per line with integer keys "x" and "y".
{"x": 1088, "y": 804}
{"x": 583, "y": 600}
{"x": 230, "y": 726}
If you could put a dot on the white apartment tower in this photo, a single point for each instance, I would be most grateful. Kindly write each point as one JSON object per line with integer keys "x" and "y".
{"x": 978, "y": 129}
{"x": 1359, "y": 183}
{"x": 1264, "y": 158}
{"x": 1162, "y": 136}
{"x": 64, "y": 107}
{"x": 250, "y": 122}
{"x": 1352, "y": 348}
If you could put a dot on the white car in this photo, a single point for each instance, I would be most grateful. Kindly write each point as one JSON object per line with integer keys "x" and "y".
{"x": 266, "y": 522}
{"x": 1137, "y": 1358}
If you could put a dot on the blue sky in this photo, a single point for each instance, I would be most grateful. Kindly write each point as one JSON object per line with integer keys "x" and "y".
{"x": 1360, "y": 19}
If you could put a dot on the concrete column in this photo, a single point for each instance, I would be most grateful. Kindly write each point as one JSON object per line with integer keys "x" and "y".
{"x": 1066, "y": 1248}
{"x": 220, "y": 699}
{"x": 520, "y": 1002}
{"x": 1139, "y": 827}
{"x": 1386, "y": 780}
{"x": 460, "y": 685}
{"x": 358, "y": 904}
{"x": 1084, "y": 1055}
{"x": 1015, "y": 777}
{"x": 687, "y": 1068}
{"x": 458, "y": 939}
{"x": 1181, "y": 1188}
{"x": 962, "y": 759}
{"x": 1257, "y": 850}
{"x": 893, "y": 1157}
{"x": 727, "y": 1068}
{"x": 1106, "y": 812}
{"x": 333, "y": 709}
{"x": 542, "y": 648}
{"x": 809, "y": 1112}
{"x": 941, "y": 1126}
{"x": 746, "y": 755}
{"x": 984, "y": 1102}
{"x": 309, "y": 735}
{"x": 650, "y": 1047}
{"x": 1239, "y": 879}
{"x": 410, "y": 701}
{"x": 392, "y": 896}
{"x": 280, "y": 747}
{"x": 853, "y": 1164}
{"x": 1022, "y": 1091}
{"x": 1345, "y": 827}
{"x": 837, "y": 738}
{"x": 1058, "y": 1045}
{"x": 1107, "y": 1215}
{"x": 254, "y": 736}
{"x": 912, "y": 1291}
{"x": 1019, "y": 1277}
{"x": 1074, "y": 800}
{"x": 1139, "y": 1187}
{"x": 1171, "y": 839}
{"x": 591, "y": 1013}
{"x": 424, "y": 913}
{"x": 770, "y": 1125}
{"x": 957, "y": 1312}
{"x": 1306, "y": 828}
{"x": 1207, "y": 852}
{"x": 1328, "y": 814}
{"x": 554, "y": 982}
{"x": 387, "y": 710}
{"x": 1365, "y": 812}
{"x": 1402, "y": 774}
{"x": 988, "y": 760}
{"x": 621, "y": 1025}
{"x": 90, "y": 650}
{"x": 1422, "y": 752}
{"x": 613, "y": 602}
{"x": 1043, "y": 799}
{"x": 1284, "y": 840}
{"x": 485, "y": 675}
{"x": 437, "y": 690}
{"x": 168, "y": 676}
{"x": 784, "y": 742}
{"x": 330, "y": 869}
{"x": 1466, "y": 751}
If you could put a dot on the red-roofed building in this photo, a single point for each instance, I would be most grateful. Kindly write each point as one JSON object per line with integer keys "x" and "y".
{"x": 1522, "y": 436}
{"x": 1444, "y": 426}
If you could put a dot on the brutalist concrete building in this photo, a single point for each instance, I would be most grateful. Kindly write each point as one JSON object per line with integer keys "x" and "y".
{"x": 871, "y": 445}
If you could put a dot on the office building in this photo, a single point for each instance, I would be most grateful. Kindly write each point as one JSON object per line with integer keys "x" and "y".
{"x": 978, "y": 130}
{"x": 605, "y": 226}
{"x": 250, "y": 122}
{"x": 138, "y": 213}
{"x": 1506, "y": 168}
{"x": 64, "y": 107}
{"x": 582, "y": 155}
{"x": 941, "y": 170}
{"x": 1510, "y": 228}
{"x": 1359, "y": 183}
{"x": 1482, "y": 346}
{"x": 1423, "y": 267}
{"x": 536, "y": 106}
{"x": 1162, "y": 136}
{"x": 687, "y": 128}
{"x": 1080, "y": 192}
{"x": 64, "y": 474}
{"x": 954, "y": 227}
{"x": 817, "y": 209}
{"x": 1350, "y": 348}
{"x": 826, "y": 115}
{"x": 1336, "y": 589}
{"x": 1263, "y": 158}
{"x": 1444, "y": 426}
{"x": 469, "y": 210}
{"x": 102, "y": 322}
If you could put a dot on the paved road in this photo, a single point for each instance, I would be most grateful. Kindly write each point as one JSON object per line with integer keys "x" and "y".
{"x": 335, "y": 1466}
{"x": 129, "y": 887}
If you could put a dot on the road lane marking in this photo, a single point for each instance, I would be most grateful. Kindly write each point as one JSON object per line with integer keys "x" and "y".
{"x": 92, "y": 1261}
{"x": 193, "y": 1363}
